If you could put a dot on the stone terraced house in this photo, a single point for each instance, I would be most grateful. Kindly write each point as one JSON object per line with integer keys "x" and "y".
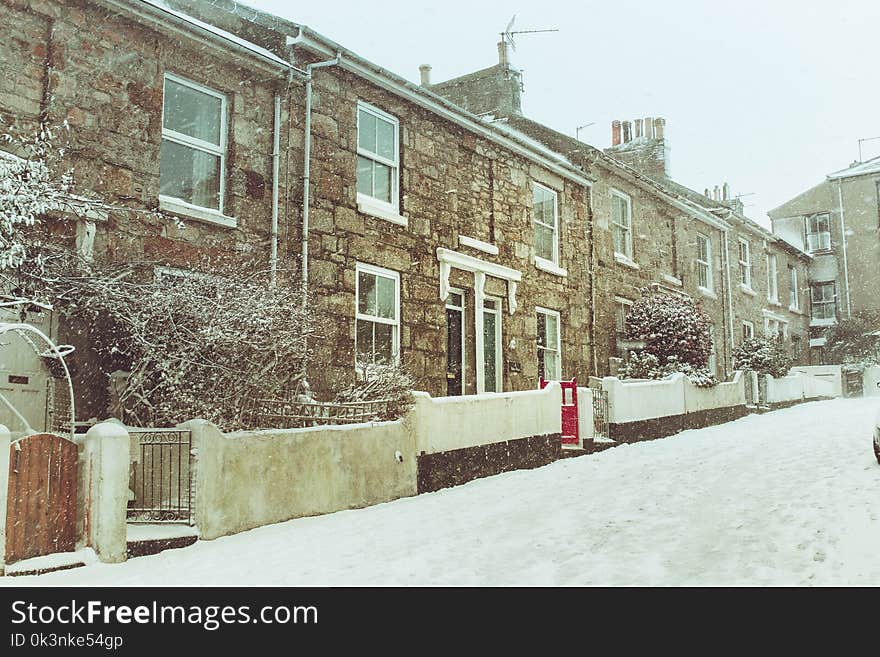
{"x": 443, "y": 226}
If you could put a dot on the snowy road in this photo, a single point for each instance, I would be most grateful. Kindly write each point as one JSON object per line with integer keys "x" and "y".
{"x": 787, "y": 498}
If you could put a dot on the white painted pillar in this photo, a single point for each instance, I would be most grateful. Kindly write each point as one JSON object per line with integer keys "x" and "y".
{"x": 5, "y": 440}
{"x": 107, "y": 458}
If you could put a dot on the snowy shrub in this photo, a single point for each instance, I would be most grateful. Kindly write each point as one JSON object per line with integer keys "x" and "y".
{"x": 763, "y": 355}
{"x": 677, "y": 338}
{"x": 390, "y": 382}
{"x": 855, "y": 342}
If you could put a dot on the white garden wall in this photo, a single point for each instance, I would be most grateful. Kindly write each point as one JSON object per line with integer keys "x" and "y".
{"x": 831, "y": 373}
{"x": 870, "y": 379}
{"x": 443, "y": 424}
{"x": 798, "y": 386}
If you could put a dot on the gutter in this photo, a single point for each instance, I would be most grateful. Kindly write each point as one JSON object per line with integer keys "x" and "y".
{"x": 843, "y": 244}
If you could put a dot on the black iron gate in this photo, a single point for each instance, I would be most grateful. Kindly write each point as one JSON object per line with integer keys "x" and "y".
{"x": 600, "y": 412}
{"x": 160, "y": 488}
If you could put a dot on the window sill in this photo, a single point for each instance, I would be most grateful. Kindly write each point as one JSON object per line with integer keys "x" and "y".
{"x": 623, "y": 260}
{"x": 380, "y": 210}
{"x": 180, "y": 207}
{"x": 774, "y": 302}
{"x": 823, "y": 322}
{"x": 706, "y": 292}
{"x": 747, "y": 290}
{"x": 672, "y": 280}
{"x": 550, "y": 267}
{"x": 796, "y": 311}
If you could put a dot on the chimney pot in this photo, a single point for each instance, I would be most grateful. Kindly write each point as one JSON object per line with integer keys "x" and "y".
{"x": 615, "y": 133}
{"x": 706, "y": 193}
{"x": 726, "y": 189}
{"x": 659, "y": 127}
{"x": 716, "y": 193}
{"x": 638, "y": 125}
{"x": 627, "y": 132}
{"x": 425, "y": 74}
{"x": 649, "y": 127}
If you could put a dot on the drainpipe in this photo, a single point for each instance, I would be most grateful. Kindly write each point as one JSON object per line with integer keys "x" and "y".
{"x": 729, "y": 359}
{"x": 843, "y": 244}
{"x": 307, "y": 154}
{"x": 276, "y": 158}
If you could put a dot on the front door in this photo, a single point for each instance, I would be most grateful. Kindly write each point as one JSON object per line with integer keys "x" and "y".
{"x": 455, "y": 343}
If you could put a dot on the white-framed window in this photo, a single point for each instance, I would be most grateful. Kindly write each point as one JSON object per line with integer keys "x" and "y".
{"x": 192, "y": 158}
{"x": 378, "y": 156}
{"x": 621, "y": 310}
{"x": 772, "y": 279}
{"x": 775, "y": 328}
{"x": 818, "y": 230}
{"x": 621, "y": 224}
{"x": 704, "y": 262}
{"x": 491, "y": 356}
{"x": 793, "y": 292}
{"x": 745, "y": 263}
{"x": 823, "y": 304}
{"x": 455, "y": 342}
{"x": 377, "y": 315}
{"x": 748, "y": 330}
{"x": 545, "y": 217}
{"x": 549, "y": 344}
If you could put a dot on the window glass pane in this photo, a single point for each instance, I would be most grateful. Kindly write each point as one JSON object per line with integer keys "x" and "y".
{"x": 382, "y": 177}
{"x": 367, "y": 304}
{"x": 385, "y": 139}
{"x": 542, "y": 330}
{"x": 189, "y": 174}
{"x": 191, "y": 112}
{"x": 543, "y": 242}
{"x": 551, "y": 332}
{"x": 384, "y": 342}
{"x": 490, "y": 365}
{"x": 365, "y": 176}
{"x": 454, "y": 299}
{"x": 364, "y": 330}
{"x": 366, "y": 131}
{"x": 387, "y": 308}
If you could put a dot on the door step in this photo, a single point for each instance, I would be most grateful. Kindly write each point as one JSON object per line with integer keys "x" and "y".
{"x": 143, "y": 540}
{"x": 49, "y": 563}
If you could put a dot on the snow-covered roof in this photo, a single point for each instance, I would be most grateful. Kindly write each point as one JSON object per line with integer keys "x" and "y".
{"x": 216, "y": 31}
{"x": 857, "y": 169}
{"x": 502, "y": 125}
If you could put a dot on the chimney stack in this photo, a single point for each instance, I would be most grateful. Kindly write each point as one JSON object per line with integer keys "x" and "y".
{"x": 503, "y": 53}
{"x": 627, "y": 132}
{"x": 615, "y": 133}
{"x": 425, "y": 74}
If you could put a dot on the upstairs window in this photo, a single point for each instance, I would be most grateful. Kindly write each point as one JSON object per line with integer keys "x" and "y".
{"x": 546, "y": 220}
{"x": 818, "y": 228}
{"x": 621, "y": 220}
{"x": 378, "y": 158}
{"x": 823, "y": 304}
{"x": 377, "y": 316}
{"x": 193, "y": 152}
{"x": 704, "y": 262}
{"x": 549, "y": 351}
{"x": 745, "y": 264}
{"x": 772, "y": 276}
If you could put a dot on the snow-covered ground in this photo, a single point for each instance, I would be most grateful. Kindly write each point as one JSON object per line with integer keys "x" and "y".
{"x": 787, "y": 498}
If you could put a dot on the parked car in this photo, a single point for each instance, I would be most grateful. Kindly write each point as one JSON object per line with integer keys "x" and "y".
{"x": 877, "y": 433}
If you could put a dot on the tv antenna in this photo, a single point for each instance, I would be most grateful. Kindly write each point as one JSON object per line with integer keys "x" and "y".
{"x": 860, "y": 140}
{"x": 507, "y": 34}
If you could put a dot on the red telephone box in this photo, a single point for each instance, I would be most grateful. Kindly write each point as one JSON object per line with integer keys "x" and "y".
{"x": 570, "y": 434}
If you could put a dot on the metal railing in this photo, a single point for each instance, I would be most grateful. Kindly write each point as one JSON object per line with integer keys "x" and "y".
{"x": 285, "y": 413}
{"x": 160, "y": 482}
{"x": 600, "y": 412}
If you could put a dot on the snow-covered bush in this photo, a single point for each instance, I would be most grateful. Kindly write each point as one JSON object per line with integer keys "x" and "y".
{"x": 855, "y": 342}
{"x": 676, "y": 333}
{"x": 763, "y": 355}
{"x": 193, "y": 345}
{"x": 389, "y": 382}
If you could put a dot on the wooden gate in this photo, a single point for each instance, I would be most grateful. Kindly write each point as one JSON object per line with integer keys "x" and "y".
{"x": 570, "y": 429}
{"x": 41, "y": 509}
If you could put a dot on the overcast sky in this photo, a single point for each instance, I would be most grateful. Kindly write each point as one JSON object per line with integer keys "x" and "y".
{"x": 768, "y": 95}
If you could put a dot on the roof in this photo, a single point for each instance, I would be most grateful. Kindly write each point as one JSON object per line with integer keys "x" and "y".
{"x": 857, "y": 169}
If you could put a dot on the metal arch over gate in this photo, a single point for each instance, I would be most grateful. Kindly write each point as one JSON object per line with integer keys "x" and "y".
{"x": 41, "y": 507}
